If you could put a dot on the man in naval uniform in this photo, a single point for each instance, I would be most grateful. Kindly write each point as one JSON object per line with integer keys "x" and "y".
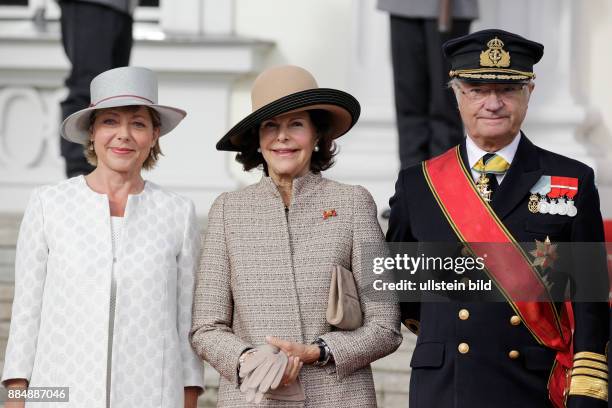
{"x": 497, "y": 186}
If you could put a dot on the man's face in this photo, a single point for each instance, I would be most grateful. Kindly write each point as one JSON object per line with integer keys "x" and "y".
{"x": 492, "y": 113}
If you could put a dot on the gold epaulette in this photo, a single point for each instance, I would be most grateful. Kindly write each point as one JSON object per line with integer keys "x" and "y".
{"x": 589, "y": 377}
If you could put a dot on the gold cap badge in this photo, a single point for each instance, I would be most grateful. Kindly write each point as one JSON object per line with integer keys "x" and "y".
{"x": 495, "y": 55}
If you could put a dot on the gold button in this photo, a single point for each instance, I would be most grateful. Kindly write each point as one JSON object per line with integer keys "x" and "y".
{"x": 514, "y": 354}
{"x": 515, "y": 320}
{"x": 464, "y": 314}
{"x": 463, "y": 348}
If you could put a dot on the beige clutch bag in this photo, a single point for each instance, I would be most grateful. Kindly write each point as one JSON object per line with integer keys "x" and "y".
{"x": 343, "y": 307}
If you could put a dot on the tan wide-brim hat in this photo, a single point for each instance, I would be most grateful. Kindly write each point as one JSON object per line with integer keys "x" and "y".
{"x": 285, "y": 89}
{"x": 125, "y": 86}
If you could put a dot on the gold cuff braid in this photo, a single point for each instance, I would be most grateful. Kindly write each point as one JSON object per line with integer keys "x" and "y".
{"x": 582, "y": 385}
{"x": 591, "y": 364}
{"x": 590, "y": 372}
{"x": 591, "y": 356}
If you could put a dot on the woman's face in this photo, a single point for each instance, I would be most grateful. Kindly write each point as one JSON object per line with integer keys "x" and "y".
{"x": 287, "y": 142}
{"x": 123, "y": 138}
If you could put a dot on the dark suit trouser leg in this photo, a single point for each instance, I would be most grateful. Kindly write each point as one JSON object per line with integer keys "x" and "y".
{"x": 444, "y": 120}
{"x": 95, "y": 39}
{"x": 410, "y": 80}
{"x": 427, "y": 118}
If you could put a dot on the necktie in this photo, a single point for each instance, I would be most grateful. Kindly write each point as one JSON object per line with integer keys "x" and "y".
{"x": 489, "y": 166}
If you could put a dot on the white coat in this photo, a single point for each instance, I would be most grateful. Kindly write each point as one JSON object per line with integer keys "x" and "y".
{"x": 60, "y": 320}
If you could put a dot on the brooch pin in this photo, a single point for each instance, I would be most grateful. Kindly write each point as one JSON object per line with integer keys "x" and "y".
{"x": 329, "y": 213}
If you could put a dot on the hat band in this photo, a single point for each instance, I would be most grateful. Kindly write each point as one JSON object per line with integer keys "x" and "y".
{"x": 485, "y": 73}
{"x": 120, "y": 96}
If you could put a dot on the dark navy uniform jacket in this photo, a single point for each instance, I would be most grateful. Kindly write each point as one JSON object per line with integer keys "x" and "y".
{"x": 472, "y": 355}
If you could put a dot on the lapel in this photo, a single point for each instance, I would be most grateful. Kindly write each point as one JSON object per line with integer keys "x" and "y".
{"x": 523, "y": 173}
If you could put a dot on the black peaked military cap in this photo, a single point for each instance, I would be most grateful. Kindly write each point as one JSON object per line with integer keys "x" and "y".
{"x": 492, "y": 56}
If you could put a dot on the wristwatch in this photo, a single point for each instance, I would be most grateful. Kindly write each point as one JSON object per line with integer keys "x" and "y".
{"x": 325, "y": 353}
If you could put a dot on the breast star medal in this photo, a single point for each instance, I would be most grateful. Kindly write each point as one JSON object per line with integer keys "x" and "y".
{"x": 545, "y": 254}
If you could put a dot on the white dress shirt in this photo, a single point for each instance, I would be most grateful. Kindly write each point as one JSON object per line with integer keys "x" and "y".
{"x": 474, "y": 154}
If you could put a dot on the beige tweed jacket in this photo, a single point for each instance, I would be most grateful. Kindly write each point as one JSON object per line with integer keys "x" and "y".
{"x": 265, "y": 271}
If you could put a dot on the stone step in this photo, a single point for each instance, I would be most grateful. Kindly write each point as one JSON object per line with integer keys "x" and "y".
{"x": 5, "y": 311}
{"x": 9, "y": 227}
{"x": 6, "y": 292}
{"x": 7, "y": 264}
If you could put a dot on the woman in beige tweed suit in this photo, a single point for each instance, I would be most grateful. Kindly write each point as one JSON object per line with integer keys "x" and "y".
{"x": 266, "y": 263}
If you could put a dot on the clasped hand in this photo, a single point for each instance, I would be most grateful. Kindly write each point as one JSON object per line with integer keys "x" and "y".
{"x": 275, "y": 364}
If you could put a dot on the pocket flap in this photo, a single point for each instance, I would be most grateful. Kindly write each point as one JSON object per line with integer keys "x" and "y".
{"x": 543, "y": 227}
{"x": 428, "y": 355}
{"x": 538, "y": 358}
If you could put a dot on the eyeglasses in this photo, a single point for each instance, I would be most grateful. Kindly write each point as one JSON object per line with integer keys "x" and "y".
{"x": 480, "y": 93}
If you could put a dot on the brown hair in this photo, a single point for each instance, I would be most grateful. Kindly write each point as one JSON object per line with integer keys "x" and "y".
{"x": 155, "y": 152}
{"x": 322, "y": 160}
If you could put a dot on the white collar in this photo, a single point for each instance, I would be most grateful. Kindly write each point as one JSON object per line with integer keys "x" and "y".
{"x": 474, "y": 152}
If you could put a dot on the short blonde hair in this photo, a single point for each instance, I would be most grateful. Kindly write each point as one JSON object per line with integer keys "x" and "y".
{"x": 151, "y": 161}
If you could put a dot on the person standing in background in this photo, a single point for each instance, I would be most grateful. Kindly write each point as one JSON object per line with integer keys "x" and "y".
{"x": 428, "y": 121}
{"x": 97, "y": 36}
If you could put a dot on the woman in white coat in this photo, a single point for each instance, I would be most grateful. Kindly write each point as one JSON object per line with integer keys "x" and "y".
{"x": 104, "y": 272}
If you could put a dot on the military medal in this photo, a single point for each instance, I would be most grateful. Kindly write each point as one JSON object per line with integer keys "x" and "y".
{"x": 552, "y": 207}
{"x": 572, "y": 189}
{"x": 482, "y": 185}
{"x": 538, "y": 192}
{"x": 562, "y": 185}
{"x": 561, "y": 206}
{"x": 553, "y": 194}
{"x": 534, "y": 203}
{"x": 571, "y": 209}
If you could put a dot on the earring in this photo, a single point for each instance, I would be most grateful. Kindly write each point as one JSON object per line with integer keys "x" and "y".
{"x": 259, "y": 150}
{"x": 151, "y": 153}
{"x": 316, "y": 148}
{"x": 91, "y": 146}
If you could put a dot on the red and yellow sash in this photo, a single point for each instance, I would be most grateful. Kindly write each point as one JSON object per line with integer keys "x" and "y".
{"x": 477, "y": 225}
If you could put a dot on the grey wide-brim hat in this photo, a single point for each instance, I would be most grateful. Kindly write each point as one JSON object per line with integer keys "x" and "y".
{"x": 125, "y": 86}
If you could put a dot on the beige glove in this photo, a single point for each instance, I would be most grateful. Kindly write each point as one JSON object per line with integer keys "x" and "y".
{"x": 262, "y": 371}
{"x": 262, "y": 374}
